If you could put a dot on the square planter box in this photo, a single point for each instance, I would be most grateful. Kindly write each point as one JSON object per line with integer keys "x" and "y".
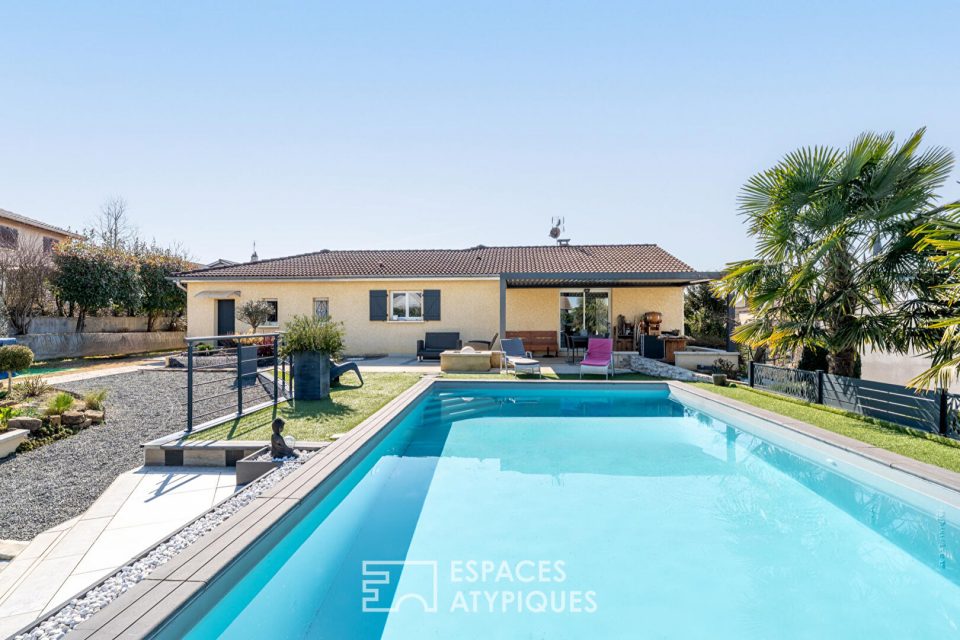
{"x": 10, "y": 440}
{"x": 249, "y": 468}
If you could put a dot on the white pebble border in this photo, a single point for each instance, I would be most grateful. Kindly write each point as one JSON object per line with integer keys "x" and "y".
{"x": 82, "y": 608}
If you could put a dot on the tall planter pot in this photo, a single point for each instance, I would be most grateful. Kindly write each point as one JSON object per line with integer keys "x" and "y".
{"x": 311, "y": 375}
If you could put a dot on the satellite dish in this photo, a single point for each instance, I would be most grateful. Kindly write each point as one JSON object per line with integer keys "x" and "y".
{"x": 556, "y": 228}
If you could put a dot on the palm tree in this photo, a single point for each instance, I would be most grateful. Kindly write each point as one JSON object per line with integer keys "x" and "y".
{"x": 942, "y": 236}
{"x": 837, "y": 265}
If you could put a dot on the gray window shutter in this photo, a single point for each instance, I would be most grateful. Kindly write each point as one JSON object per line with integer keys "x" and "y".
{"x": 378, "y": 305}
{"x": 431, "y": 304}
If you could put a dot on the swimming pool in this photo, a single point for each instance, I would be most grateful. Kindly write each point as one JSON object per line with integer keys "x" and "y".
{"x": 566, "y": 511}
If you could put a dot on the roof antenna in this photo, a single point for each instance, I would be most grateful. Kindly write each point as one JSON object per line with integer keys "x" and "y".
{"x": 557, "y": 227}
{"x": 253, "y": 256}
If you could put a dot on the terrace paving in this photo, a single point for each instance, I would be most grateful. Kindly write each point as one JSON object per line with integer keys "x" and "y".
{"x": 140, "y": 509}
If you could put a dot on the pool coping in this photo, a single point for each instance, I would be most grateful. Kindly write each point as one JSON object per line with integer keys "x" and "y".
{"x": 146, "y": 607}
{"x": 922, "y": 470}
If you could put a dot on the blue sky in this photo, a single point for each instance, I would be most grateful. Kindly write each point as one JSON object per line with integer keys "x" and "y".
{"x": 306, "y": 126}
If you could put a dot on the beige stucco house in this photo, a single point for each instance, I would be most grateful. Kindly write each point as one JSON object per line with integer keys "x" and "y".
{"x": 19, "y": 232}
{"x": 387, "y": 300}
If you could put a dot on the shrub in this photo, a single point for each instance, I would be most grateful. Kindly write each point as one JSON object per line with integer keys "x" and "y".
{"x": 44, "y": 435}
{"x": 160, "y": 293}
{"x": 726, "y": 367}
{"x": 5, "y": 414}
{"x": 13, "y": 358}
{"x": 94, "y": 399}
{"x": 32, "y": 387}
{"x": 264, "y": 345}
{"x": 201, "y": 348}
{"x": 309, "y": 333}
{"x": 59, "y": 403}
{"x": 94, "y": 277}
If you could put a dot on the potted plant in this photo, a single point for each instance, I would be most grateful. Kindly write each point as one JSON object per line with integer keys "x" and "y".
{"x": 312, "y": 342}
{"x": 255, "y": 313}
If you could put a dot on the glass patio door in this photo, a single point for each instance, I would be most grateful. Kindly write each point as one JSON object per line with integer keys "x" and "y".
{"x": 585, "y": 312}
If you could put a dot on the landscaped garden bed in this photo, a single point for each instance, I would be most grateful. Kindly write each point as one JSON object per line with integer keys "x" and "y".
{"x": 48, "y": 414}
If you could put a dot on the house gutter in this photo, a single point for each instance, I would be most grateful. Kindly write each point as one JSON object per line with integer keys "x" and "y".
{"x": 687, "y": 277}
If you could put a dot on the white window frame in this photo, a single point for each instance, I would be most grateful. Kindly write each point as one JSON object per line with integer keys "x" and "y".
{"x": 315, "y": 301}
{"x": 276, "y": 304}
{"x": 406, "y": 306}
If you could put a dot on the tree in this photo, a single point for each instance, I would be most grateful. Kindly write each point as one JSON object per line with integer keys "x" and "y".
{"x": 24, "y": 274}
{"x": 942, "y": 235}
{"x": 13, "y": 358}
{"x": 112, "y": 227}
{"x": 93, "y": 277}
{"x": 160, "y": 294}
{"x": 255, "y": 313}
{"x": 837, "y": 265}
{"x": 706, "y": 315}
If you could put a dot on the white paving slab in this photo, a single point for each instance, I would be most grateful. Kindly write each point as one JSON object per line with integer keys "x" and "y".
{"x": 140, "y": 509}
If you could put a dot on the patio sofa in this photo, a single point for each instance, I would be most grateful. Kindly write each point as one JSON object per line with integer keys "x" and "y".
{"x": 435, "y": 343}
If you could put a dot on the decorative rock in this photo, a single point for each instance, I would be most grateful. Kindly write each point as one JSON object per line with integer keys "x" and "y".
{"x": 96, "y": 417}
{"x": 54, "y": 421}
{"x": 25, "y": 422}
{"x": 86, "y": 423}
{"x": 72, "y": 418}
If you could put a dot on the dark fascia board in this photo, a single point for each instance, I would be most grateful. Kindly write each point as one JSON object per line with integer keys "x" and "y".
{"x": 616, "y": 275}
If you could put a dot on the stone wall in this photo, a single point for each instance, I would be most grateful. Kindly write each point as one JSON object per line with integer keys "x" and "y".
{"x": 663, "y": 370}
{"x": 46, "y": 346}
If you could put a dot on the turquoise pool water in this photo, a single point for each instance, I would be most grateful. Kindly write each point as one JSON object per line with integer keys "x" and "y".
{"x": 573, "y": 513}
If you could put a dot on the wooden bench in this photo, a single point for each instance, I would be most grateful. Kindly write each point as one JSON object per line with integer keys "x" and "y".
{"x": 537, "y": 341}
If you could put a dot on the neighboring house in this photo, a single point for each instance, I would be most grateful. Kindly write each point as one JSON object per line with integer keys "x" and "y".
{"x": 220, "y": 262}
{"x": 17, "y": 231}
{"x": 388, "y": 299}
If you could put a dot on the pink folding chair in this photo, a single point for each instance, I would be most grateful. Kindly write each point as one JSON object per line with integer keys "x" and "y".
{"x": 599, "y": 357}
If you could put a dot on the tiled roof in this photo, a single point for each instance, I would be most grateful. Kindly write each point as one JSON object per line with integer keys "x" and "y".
{"x": 37, "y": 223}
{"x": 476, "y": 261}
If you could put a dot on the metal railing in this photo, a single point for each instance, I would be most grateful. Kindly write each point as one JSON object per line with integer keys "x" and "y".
{"x": 937, "y": 411}
{"x": 791, "y": 382}
{"x": 234, "y": 374}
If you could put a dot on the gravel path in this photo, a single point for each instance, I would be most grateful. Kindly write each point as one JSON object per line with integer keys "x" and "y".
{"x": 49, "y": 485}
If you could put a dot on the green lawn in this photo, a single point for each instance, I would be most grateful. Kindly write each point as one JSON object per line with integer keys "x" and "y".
{"x": 347, "y": 406}
{"x": 919, "y": 445}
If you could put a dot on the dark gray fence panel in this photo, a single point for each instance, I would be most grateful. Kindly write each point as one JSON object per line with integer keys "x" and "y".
{"x": 890, "y": 402}
{"x": 953, "y": 414}
{"x": 935, "y": 411}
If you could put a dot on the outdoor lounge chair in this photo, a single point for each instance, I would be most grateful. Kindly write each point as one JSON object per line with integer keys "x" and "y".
{"x": 435, "y": 343}
{"x": 599, "y": 357}
{"x": 337, "y": 370}
{"x": 516, "y": 357}
{"x": 487, "y": 344}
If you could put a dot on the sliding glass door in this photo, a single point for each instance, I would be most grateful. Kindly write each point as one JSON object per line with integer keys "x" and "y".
{"x": 585, "y": 312}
